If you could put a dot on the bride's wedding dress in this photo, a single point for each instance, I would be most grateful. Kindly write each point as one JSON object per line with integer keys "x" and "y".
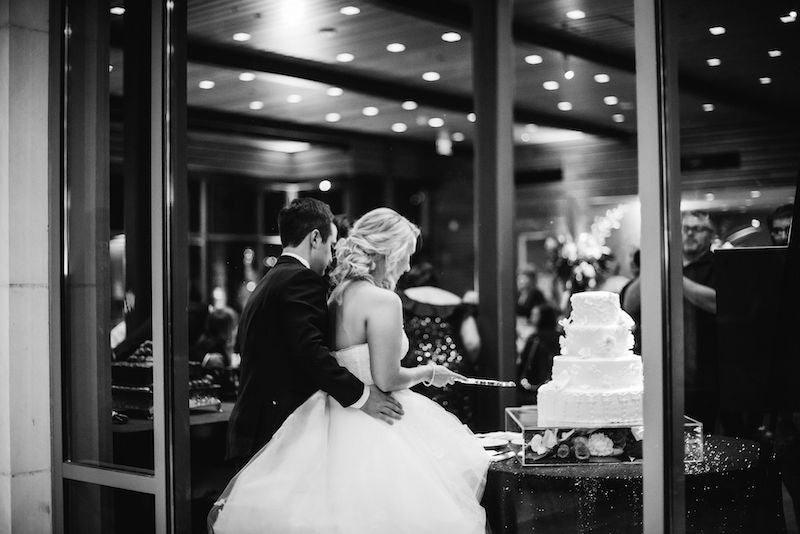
{"x": 331, "y": 469}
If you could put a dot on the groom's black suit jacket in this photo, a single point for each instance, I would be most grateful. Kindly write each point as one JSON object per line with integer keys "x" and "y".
{"x": 283, "y": 341}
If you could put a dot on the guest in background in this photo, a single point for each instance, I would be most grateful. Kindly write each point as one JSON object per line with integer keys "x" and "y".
{"x": 442, "y": 329}
{"x": 528, "y": 294}
{"x": 214, "y": 349}
{"x": 699, "y": 322}
{"x": 343, "y": 223}
{"x": 779, "y": 223}
{"x": 630, "y": 300}
{"x": 535, "y": 365}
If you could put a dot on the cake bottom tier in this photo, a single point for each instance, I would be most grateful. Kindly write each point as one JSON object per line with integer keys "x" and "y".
{"x": 588, "y": 408}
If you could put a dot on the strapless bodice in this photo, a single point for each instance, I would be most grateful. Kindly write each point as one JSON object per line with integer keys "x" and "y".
{"x": 356, "y": 359}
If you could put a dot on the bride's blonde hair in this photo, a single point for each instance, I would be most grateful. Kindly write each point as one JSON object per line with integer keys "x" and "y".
{"x": 379, "y": 234}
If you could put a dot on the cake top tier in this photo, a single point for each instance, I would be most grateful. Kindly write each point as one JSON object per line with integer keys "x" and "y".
{"x": 595, "y": 308}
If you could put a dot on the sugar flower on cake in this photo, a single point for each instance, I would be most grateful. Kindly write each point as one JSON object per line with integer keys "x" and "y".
{"x": 600, "y": 445}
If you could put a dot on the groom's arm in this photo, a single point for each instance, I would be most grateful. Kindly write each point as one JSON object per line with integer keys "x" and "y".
{"x": 305, "y": 320}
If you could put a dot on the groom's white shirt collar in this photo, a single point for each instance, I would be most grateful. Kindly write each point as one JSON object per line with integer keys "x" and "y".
{"x": 298, "y": 258}
{"x": 365, "y": 395}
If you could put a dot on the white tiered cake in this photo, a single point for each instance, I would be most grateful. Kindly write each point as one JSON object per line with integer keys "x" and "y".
{"x": 597, "y": 379}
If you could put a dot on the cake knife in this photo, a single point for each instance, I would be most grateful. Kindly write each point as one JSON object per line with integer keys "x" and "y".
{"x": 486, "y": 382}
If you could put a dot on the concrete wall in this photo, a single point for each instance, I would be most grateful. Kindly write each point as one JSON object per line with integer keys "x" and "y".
{"x": 25, "y": 420}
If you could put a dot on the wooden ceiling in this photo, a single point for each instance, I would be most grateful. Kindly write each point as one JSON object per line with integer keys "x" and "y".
{"x": 293, "y": 46}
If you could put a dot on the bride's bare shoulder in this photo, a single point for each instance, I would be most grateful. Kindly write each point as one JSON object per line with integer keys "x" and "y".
{"x": 369, "y": 295}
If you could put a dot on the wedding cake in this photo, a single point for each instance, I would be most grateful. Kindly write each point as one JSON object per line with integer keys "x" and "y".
{"x": 597, "y": 379}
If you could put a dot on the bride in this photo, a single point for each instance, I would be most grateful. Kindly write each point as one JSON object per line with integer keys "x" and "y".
{"x": 337, "y": 470}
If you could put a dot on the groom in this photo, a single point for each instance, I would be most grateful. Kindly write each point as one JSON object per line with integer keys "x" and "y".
{"x": 283, "y": 338}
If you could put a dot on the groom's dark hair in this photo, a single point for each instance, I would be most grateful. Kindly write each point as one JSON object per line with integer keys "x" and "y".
{"x": 302, "y": 216}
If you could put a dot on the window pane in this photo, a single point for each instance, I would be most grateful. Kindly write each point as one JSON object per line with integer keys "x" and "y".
{"x": 738, "y": 174}
{"x": 114, "y": 511}
{"x": 107, "y": 305}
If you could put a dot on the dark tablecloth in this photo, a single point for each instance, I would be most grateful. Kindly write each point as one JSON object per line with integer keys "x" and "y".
{"x": 721, "y": 494}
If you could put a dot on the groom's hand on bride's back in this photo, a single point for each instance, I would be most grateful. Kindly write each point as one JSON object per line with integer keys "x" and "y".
{"x": 382, "y": 406}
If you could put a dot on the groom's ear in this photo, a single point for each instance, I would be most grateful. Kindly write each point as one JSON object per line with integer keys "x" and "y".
{"x": 315, "y": 235}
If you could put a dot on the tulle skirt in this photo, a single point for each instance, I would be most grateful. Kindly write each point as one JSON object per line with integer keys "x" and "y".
{"x": 337, "y": 470}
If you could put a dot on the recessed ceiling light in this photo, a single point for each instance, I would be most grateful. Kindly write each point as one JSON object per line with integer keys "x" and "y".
{"x": 247, "y": 76}
{"x": 602, "y": 78}
{"x": 324, "y": 185}
{"x": 451, "y": 37}
{"x": 774, "y": 53}
{"x": 435, "y": 122}
{"x": 110, "y": 68}
{"x": 333, "y": 117}
{"x": 399, "y": 127}
{"x": 568, "y": 75}
{"x": 350, "y": 10}
{"x": 755, "y": 194}
{"x": 471, "y": 117}
{"x": 206, "y": 84}
{"x": 765, "y": 80}
{"x": 294, "y": 99}
{"x": 345, "y": 57}
{"x": 789, "y": 17}
{"x": 576, "y": 14}
{"x": 457, "y": 137}
{"x": 334, "y": 91}
{"x": 564, "y": 106}
{"x": 409, "y": 105}
{"x": 370, "y": 111}
{"x": 755, "y": 223}
{"x": 525, "y": 137}
{"x": 241, "y": 37}
{"x": 550, "y": 85}
{"x": 708, "y": 107}
{"x": 396, "y": 47}
{"x": 431, "y": 76}
{"x": 716, "y": 30}
{"x": 256, "y": 105}
{"x": 533, "y": 59}
{"x": 709, "y": 196}
{"x": 618, "y": 117}
{"x": 117, "y": 10}
{"x": 611, "y": 100}
{"x": 714, "y": 62}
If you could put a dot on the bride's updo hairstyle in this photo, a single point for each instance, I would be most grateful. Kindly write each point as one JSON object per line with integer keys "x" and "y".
{"x": 380, "y": 238}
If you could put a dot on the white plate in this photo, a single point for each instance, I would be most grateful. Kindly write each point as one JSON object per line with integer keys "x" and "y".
{"x": 518, "y": 441}
{"x": 493, "y": 443}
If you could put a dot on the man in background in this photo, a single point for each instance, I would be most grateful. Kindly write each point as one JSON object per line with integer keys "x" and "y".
{"x": 779, "y": 223}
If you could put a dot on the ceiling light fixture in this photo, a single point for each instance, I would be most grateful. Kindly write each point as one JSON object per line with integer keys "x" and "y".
{"x": 755, "y": 194}
{"x": 241, "y": 37}
{"x": 345, "y": 57}
{"x": 117, "y": 10}
{"x": 564, "y": 106}
{"x": 755, "y": 223}
{"x": 255, "y": 105}
{"x": 349, "y": 10}
{"x": 431, "y": 76}
{"x": 533, "y": 59}
{"x": 709, "y": 196}
{"x": 602, "y": 78}
{"x": 790, "y": 17}
{"x": 568, "y": 75}
{"x": 471, "y": 117}
{"x": 324, "y": 185}
{"x": 716, "y": 30}
{"x": 774, "y": 53}
{"x": 435, "y": 122}
{"x": 294, "y": 99}
{"x": 206, "y": 84}
{"x": 457, "y": 137}
{"x": 451, "y": 37}
{"x": 333, "y": 117}
{"x": 370, "y": 111}
{"x": 110, "y": 68}
{"x": 550, "y": 85}
{"x": 334, "y": 91}
{"x": 714, "y": 62}
{"x": 765, "y": 80}
{"x": 399, "y": 127}
{"x": 611, "y": 100}
{"x": 396, "y": 47}
{"x": 576, "y": 14}
{"x": 618, "y": 117}
{"x": 247, "y": 76}
{"x": 708, "y": 107}
{"x": 409, "y": 105}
